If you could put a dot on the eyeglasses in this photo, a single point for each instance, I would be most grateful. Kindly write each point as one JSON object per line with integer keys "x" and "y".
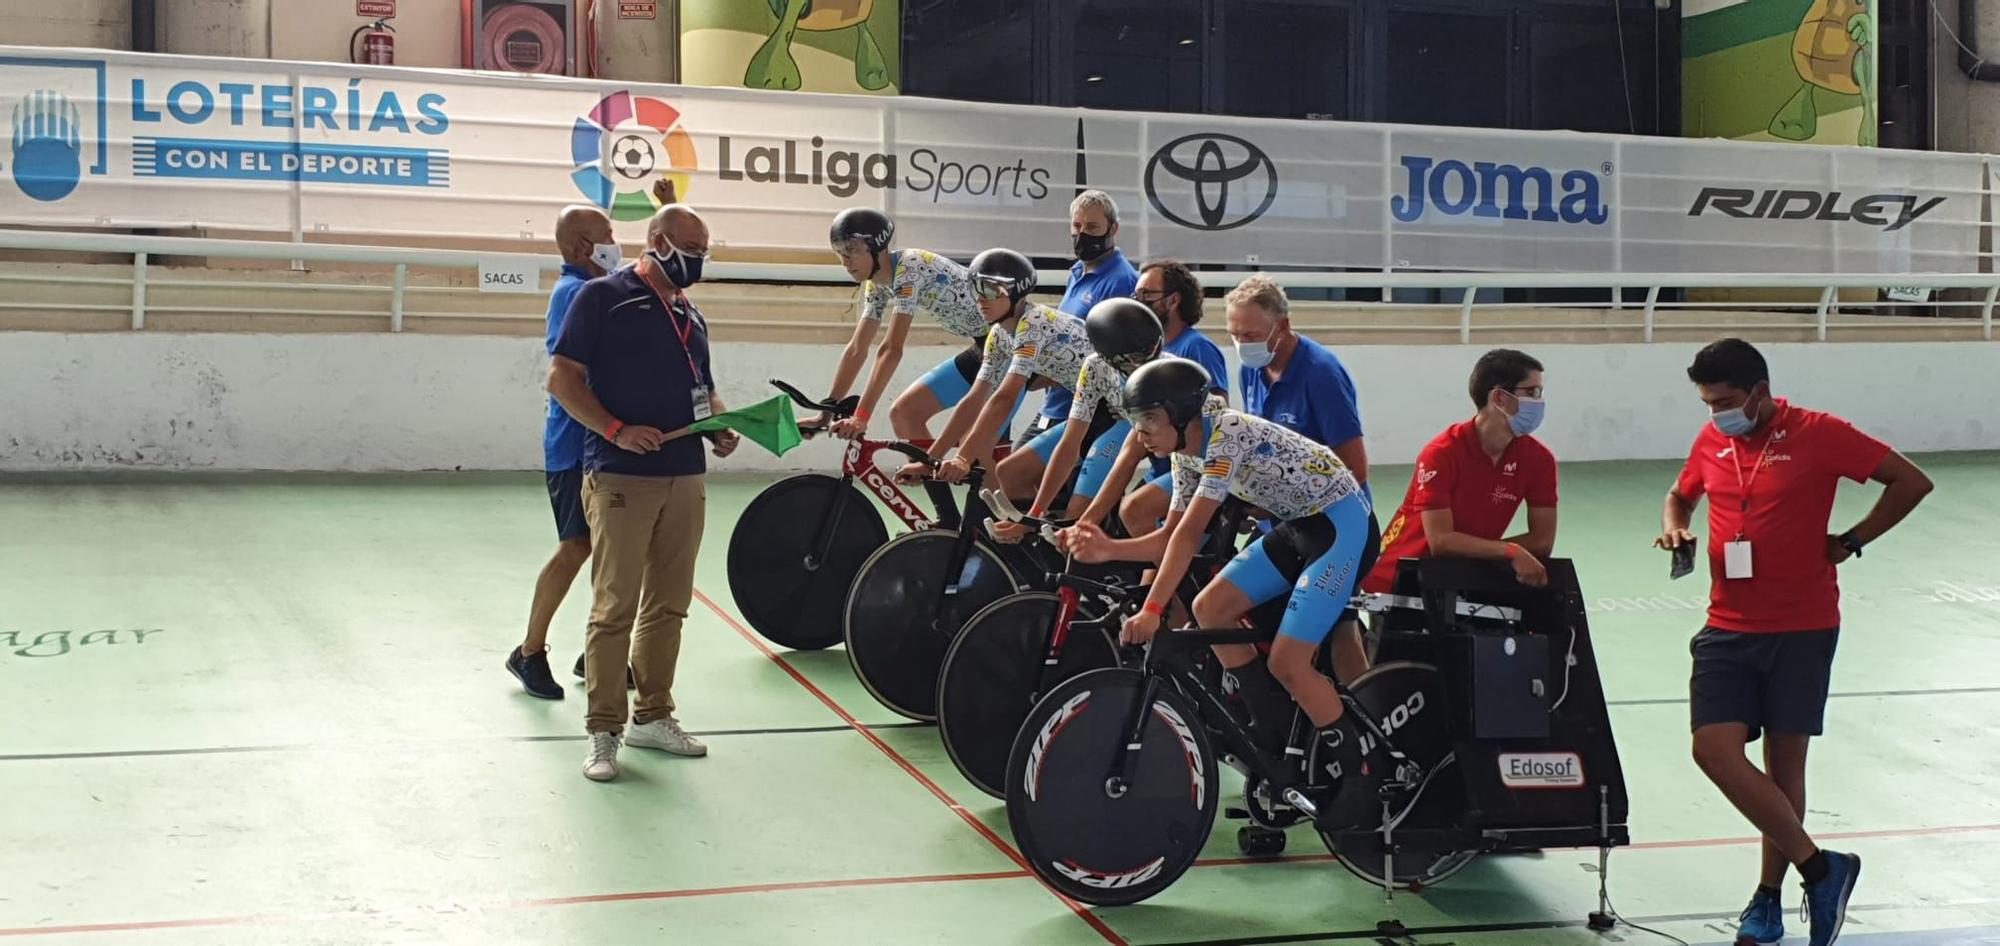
{"x": 1150, "y": 296}
{"x": 852, "y": 249}
{"x": 1531, "y": 392}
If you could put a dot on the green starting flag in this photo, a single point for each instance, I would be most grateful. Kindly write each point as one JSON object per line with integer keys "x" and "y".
{"x": 769, "y": 424}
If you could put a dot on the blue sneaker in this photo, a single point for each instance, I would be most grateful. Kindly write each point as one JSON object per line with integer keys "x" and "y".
{"x": 1763, "y": 921}
{"x": 1826, "y": 901}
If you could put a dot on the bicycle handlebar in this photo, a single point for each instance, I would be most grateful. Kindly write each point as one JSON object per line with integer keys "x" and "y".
{"x": 845, "y": 407}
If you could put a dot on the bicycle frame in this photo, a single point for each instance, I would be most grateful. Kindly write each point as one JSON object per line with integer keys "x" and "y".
{"x": 1167, "y": 660}
{"x": 860, "y": 464}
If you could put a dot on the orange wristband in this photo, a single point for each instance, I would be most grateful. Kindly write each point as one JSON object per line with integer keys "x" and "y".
{"x": 861, "y": 414}
{"x": 1512, "y": 551}
{"x": 1156, "y": 610}
{"x": 611, "y": 430}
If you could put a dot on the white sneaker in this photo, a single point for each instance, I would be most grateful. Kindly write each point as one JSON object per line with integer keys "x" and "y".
{"x": 602, "y": 764}
{"x": 664, "y": 734}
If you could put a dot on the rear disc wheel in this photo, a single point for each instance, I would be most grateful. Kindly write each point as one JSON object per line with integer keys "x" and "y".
{"x": 784, "y": 590}
{"x": 903, "y": 612}
{"x": 994, "y": 673}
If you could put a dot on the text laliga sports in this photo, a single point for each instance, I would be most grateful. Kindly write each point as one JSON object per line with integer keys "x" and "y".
{"x": 843, "y": 173}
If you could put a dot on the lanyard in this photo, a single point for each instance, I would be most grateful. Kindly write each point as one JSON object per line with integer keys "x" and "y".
{"x": 653, "y": 279}
{"x": 1736, "y": 463}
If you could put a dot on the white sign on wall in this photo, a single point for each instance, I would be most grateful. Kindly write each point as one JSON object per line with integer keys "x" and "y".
{"x": 507, "y": 274}
{"x": 139, "y": 140}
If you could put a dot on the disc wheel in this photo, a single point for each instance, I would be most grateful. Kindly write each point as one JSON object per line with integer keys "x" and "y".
{"x": 903, "y": 611}
{"x": 1406, "y": 697}
{"x": 993, "y": 674}
{"x": 787, "y": 592}
{"x": 1089, "y": 835}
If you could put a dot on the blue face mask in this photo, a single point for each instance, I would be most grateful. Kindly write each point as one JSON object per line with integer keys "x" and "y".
{"x": 1527, "y": 416}
{"x": 1736, "y": 421}
{"x": 680, "y": 268}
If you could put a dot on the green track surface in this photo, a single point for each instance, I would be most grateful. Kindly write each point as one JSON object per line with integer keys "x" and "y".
{"x": 316, "y": 743}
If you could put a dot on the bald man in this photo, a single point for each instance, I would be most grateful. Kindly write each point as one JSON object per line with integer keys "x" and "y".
{"x": 583, "y": 236}
{"x": 630, "y": 364}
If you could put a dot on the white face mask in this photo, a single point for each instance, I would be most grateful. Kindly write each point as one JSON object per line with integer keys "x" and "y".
{"x": 607, "y": 256}
{"x": 1255, "y": 355}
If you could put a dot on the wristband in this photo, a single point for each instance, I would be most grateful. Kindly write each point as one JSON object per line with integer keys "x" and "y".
{"x": 861, "y": 414}
{"x": 1036, "y": 512}
{"x": 611, "y": 430}
{"x": 1156, "y": 610}
{"x": 1512, "y": 551}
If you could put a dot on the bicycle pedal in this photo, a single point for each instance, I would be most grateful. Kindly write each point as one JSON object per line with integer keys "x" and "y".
{"x": 1236, "y": 814}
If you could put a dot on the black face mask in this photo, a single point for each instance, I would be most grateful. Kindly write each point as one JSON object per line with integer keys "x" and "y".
{"x": 1090, "y": 246}
{"x": 679, "y": 268}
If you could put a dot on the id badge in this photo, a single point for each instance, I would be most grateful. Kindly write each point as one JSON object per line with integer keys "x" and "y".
{"x": 1736, "y": 559}
{"x": 701, "y": 408}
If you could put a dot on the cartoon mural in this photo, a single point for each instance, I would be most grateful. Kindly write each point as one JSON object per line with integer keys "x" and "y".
{"x": 1780, "y": 70}
{"x": 815, "y": 45}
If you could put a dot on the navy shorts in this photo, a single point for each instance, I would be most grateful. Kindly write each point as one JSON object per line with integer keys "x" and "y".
{"x": 566, "y": 501}
{"x": 1764, "y": 681}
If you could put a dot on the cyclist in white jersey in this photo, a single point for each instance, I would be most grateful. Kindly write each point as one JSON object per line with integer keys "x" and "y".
{"x": 1029, "y": 341}
{"x": 1324, "y": 543}
{"x": 900, "y": 283}
{"x": 1124, "y": 334}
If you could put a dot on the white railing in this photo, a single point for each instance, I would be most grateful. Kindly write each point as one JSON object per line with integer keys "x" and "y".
{"x": 1983, "y": 288}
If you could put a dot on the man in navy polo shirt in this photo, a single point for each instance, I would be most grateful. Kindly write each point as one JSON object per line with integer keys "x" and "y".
{"x": 1100, "y": 272}
{"x": 632, "y": 364}
{"x": 583, "y": 236}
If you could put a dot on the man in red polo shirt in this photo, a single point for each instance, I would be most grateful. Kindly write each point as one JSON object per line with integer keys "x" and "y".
{"x": 1763, "y": 663}
{"x": 1472, "y": 479}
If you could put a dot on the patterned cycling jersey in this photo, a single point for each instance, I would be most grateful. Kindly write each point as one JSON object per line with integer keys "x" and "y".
{"x": 1265, "y": 464}
{"x": 1049, "y": 343}
{"x": 1037, "y": 325}
{"x": 923, "y": 280}
{"x": 1097, "y": 383}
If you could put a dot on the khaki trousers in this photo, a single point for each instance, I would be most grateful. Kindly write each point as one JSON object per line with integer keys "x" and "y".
{"x": 645, "y": 532}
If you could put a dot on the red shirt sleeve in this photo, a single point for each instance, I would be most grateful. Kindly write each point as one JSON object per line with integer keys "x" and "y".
{"x": 1843, "y": 450}
{"x": 1542, "y": 480}
{"x": 1690, "y": 485}
{"x": 1437, "y": 471}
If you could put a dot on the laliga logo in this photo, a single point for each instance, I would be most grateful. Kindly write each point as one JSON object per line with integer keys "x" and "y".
{"x": 628, "y": 135}
{"x": 1512, "y": 192}
{"x": 1220, "y": 166}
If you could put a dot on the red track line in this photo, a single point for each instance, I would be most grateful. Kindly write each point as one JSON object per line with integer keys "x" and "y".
{"x": 767, "y": 888}
{"x": 968, "y": 817}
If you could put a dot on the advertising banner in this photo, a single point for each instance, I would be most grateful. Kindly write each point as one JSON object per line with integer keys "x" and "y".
{"x": 407, "y": 156}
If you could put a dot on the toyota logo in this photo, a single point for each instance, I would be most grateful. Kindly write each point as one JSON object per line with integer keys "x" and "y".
{"x": 1234, "y": 181}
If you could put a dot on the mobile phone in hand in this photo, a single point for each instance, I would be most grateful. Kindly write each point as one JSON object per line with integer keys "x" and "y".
{"x": 1683, "y": 560}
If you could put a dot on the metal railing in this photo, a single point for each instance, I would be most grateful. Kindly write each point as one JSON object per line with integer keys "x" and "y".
{"x": 1983, "y": 288}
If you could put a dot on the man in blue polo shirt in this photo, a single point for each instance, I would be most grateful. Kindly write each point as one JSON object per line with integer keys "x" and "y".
{"x": 631, "y": 365}
{"x": 1100, "y": 272}
{"x": 1289, "y": 378}
{"x": 583, "y": 236}
{"x": 1171, "y": 290}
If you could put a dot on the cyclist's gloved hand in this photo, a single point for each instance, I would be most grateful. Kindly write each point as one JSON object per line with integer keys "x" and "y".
{"x": 1139, "y": 628}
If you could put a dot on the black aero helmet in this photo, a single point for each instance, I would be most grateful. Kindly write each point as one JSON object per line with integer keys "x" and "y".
{"x": 872, "y": 227}
{"x": 1124, "y": 331}
{"x": 1175, "y": 385}
{"x": 1001, "y": 271}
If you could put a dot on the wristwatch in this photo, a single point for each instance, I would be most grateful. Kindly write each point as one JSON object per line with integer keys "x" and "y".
{"x": 1850, "y": 543}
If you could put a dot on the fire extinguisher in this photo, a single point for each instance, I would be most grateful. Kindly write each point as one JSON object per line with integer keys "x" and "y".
{"x": 377, "y": 46}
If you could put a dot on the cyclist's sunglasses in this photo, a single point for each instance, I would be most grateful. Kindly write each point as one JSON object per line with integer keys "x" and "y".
{"x": 990, "y": 288}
